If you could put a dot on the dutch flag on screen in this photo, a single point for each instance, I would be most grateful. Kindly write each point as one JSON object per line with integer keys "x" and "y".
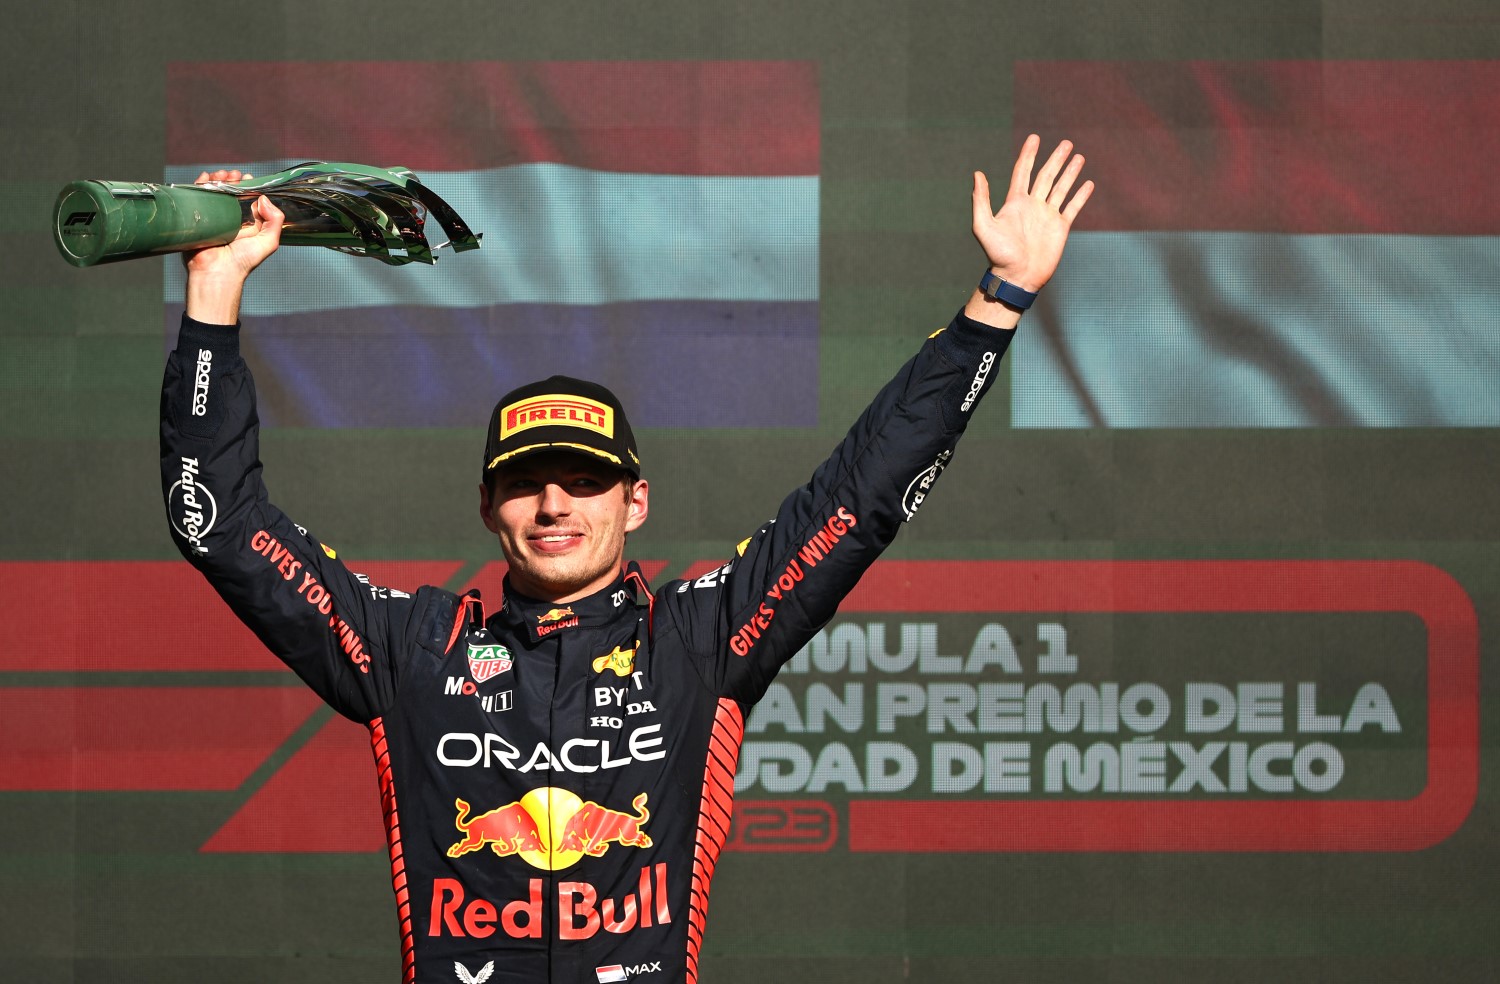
{"x": 1273, "y": 244}
{"x": 650, "y": 225}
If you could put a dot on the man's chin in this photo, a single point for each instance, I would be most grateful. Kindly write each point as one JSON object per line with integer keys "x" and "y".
{"x": 552, "y": 581}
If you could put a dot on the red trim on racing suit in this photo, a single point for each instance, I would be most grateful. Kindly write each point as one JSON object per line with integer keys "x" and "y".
{"x": 393, "y": 838}
{"x": 713, "y": 819}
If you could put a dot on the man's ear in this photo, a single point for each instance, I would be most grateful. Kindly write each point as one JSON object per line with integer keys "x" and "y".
{"x": 485, "y": 512}
{"x": 639, "y": 495}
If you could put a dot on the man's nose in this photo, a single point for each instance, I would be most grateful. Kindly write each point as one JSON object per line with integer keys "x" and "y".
{"x": 554, "y": 500}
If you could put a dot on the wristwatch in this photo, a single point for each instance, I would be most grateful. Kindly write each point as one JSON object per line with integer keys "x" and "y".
{"x": 1005, "y": 291}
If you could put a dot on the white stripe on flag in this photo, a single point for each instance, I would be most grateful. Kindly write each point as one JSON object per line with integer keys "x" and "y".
{"x": 1219, "y": 329}
{"x": 555, "y": 234}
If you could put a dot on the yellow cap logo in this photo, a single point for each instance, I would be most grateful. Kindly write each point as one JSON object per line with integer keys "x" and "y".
{"x": 556, "y": 410}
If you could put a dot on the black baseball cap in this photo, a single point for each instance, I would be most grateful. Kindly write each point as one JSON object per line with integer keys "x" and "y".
{"x": 560, "y": 414}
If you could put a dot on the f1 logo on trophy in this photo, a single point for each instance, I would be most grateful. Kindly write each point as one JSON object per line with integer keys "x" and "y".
{"x": 353, "y": 208}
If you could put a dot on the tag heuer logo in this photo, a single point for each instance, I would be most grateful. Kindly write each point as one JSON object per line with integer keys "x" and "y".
{"x": 488, "y": 661}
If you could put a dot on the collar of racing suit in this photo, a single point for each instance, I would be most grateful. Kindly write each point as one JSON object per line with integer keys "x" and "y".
{"x": 538, "y": 619}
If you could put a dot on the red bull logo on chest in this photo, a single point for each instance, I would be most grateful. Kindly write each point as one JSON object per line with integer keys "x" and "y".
{"x": 550, "y": 828}
{"x": 583, "y": 911}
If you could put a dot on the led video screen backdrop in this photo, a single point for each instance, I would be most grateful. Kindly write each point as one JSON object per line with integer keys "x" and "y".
{"x": 1178, "y": 671}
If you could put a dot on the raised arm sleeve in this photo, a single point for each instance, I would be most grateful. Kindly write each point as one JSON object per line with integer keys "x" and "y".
{"x": 344, "y": 636}
{"x": 753, "y": 614}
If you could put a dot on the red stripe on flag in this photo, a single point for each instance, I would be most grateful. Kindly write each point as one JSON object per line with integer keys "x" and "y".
{"x": 143, "y": 738}
{"x": 1294, "y": 146}
{"x": 679, "y": 117}
{"x": 143, "y": 615}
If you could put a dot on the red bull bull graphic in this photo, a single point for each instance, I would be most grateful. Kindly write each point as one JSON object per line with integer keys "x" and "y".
{"x": 506, "y": 830}
{"x": 622, "y": 661}
{"x": 593, "y": 828}
{"x": 581, "y": 913}
{"x": 550, "y": 828}
{"x": 555, "y": 615}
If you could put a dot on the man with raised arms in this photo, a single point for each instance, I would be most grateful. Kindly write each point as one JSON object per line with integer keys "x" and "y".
{"x": 557, "y": 775}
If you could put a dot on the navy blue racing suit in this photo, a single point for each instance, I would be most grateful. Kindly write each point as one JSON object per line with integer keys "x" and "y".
{"x": 557, "y": 778}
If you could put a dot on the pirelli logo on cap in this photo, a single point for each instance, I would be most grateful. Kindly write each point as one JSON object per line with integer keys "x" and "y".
{"x": 556, "y": 410}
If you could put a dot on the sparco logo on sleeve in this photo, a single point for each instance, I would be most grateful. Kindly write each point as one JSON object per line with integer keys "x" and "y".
{"x": 979, "y": 377}
{"x": 191, "y": 507}
{"x": 200, "y": 382}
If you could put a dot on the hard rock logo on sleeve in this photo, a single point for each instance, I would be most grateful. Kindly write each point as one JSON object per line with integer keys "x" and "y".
{"x": 191, "y": 507}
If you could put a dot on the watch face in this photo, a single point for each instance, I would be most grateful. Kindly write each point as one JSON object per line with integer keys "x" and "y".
{"x": 1009, "y": 293}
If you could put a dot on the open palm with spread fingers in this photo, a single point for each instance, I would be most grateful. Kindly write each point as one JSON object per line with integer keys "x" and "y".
{"x": 1024, "y": 240}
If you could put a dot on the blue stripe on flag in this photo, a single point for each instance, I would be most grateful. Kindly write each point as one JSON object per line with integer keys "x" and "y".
{"x": 673, "y": 363}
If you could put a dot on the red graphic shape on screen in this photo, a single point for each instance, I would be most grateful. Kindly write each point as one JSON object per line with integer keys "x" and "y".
{"x": 1196, "y": 586}
{"x": 65, "y": 616}
{"x": 783, "y": 825}
{"x": 143, "y": 738}
{"x": 100, "y": 618}
{"x": 324, "y": 799}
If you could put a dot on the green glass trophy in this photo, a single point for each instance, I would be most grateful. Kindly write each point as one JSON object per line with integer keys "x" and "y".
{"x": 353, "y": 208}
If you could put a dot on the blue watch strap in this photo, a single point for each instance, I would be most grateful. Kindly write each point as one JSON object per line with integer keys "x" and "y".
{"x": 1005, "y": 291}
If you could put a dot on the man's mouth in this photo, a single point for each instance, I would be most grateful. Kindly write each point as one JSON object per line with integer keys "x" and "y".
{"x": 553, "y": 542}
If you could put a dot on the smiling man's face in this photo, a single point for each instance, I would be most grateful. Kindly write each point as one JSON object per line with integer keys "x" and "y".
{"x": 561, "y": 519}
